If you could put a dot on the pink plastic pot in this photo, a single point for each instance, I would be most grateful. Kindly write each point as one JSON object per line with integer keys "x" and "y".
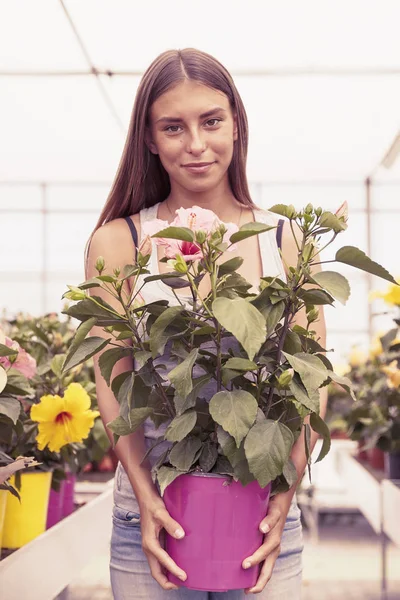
{"x": 68, "y": 500}
{"x": 54, "y": 511}
{"x": 221, "y": 520}
{"x": 61, "y": 503}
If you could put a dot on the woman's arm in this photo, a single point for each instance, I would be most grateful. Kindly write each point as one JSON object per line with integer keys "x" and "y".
{"x": 279, "y": 505}
{"x": 113, "y": 242}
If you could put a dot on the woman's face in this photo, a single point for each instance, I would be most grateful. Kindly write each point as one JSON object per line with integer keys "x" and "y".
{"x": 193, "y": 130}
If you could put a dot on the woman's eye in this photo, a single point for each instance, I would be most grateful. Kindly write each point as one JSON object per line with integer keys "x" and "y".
{"x": 172, "y": 128}
{"x": 213, "y": 122}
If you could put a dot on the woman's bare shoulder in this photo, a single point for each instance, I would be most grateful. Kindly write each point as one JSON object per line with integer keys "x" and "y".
{"x": 113, "y": 241}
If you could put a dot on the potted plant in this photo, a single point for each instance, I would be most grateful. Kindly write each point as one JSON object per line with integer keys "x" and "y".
{"x": 36, "y": 426}
{"x": 266, "y": 374}
{"x": 374, "y": 420}
{"x": 47, "y": 338}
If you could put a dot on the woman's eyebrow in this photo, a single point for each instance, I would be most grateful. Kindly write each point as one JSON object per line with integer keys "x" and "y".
{"x": 209, "y": 113}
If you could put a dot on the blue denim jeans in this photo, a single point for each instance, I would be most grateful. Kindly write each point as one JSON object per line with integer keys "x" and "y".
{"x": 130, "y": 573}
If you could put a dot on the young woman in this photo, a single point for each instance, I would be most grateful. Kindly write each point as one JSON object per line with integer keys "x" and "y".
{"x": 186, "y": 146}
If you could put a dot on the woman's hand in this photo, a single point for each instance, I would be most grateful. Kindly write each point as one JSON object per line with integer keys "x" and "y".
{"x": 153, "y": 520}
{"x": 272, "y": 526}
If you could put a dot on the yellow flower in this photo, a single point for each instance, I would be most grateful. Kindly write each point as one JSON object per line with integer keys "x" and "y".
{"x": 341, "y": 369}
{"x": 391, "y": 296}
{"x": 376, "y": 348}
{"x": 393, "y": 374}
{"x": 357, "y": 357}
{"x": 63, "y": 420}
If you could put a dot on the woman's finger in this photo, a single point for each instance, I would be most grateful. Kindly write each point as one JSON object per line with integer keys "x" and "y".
{"x": 154, "y": 549}
{"x": 271, "y": 545}
{"x": 164, "y": 519}
{"x": 271, "y": 520}
{"x": 265, "y": 573}
{"x": 159, "y": 575}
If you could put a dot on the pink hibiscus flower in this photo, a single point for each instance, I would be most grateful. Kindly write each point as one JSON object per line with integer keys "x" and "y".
{"x": 196, "y": 219}
{"x": 24, "y": 363}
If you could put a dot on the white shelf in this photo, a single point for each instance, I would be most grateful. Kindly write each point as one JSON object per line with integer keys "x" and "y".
{"x": 363, "y": 487}
{"x": 44, "y": 567}
{"x": 390, "y": 510}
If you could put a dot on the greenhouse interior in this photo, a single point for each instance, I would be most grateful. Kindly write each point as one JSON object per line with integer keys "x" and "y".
{"x": 319, "y": 82}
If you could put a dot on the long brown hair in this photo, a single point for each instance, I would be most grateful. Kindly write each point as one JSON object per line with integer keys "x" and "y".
{"x": 141, "y": 180}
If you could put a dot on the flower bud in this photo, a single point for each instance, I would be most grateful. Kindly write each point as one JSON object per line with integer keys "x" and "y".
{"x": 75, "y": 293}
{"x": 180, "y": 264}
{"x": 285, "y": 378}
{"x": 117, "y": 271}
{"x": 100, "y": 264}
{"x": 312, "y": 315}
{"x": 343, "y": 212}
{"x": 309, "y": 209}
{"x": 291, "y": 211}
{"x": 200, "y": 236}
{"x": 145, "y": 247}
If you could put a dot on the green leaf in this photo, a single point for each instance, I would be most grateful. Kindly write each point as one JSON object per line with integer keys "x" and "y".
{"x": 344, "y": 382}
{"x": 158, "y": 334}
{"x": 11, "y": 407}
{"x": 88, "y": 348}
{"x": 109, "y": 358}
{"x": 309, "y": 400}
{"x": 118, "y": 381}
{"x": 240, "y": 364}
{"x": 183, "y": 404}
{"x": 311, "y": 369}
{"x": 184, "y": 453}
{"x": 125, "y": 396}
{"x": 230, "y": 266}
{"x": 288, "y": 211}
{"x": 315, "y": 296}
{"x": 119, "y": 426}
{"x": 176, "y": 233}
{"x": 249, "y": 230}
{"x": 267, "y": 447}
{"x": 17, "y": 384}
{"x": 243, "y": 320}
{"x": 56, "y": 364}
{"x": 3, "y": 379}
{"x": 165, "y": 476}
{"x": 292, "y": 344}
{"x": 334, "y": 283}
{"x": 141, "y": 358}
{"x": 6, "y": 351}
{"x": 137, "y": 416}
{"x": 181, "y": 426}
{"x": 181, "y": 375}
{"x": 330, "y": 220}
{"x": 307, "y": 445}
{"x": 208, "y": 456}
{"x": 350, "y": 255}
{"x": 235, "y": 411}
{"x": 322, "y": 428}
{"x": 94, "y": 306}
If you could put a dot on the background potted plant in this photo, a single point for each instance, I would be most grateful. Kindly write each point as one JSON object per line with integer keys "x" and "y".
{"x": 374, "y": 420}
{"x": 265, "y": 372}
{"x": 47, "y": 338}
{"x": 34, "y": 423}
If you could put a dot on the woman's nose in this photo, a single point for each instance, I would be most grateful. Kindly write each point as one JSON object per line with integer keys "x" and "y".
{"x": 195, "y": 143}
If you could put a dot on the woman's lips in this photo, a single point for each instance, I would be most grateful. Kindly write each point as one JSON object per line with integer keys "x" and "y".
{"x": 199, "y": 169}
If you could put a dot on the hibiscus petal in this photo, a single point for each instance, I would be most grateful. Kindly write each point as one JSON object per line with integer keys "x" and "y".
{"x": 76, "y": 399}
{"x": 47, "y": 409}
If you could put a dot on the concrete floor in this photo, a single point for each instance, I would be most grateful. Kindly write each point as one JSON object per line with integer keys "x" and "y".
{"x": 343, "y": 565}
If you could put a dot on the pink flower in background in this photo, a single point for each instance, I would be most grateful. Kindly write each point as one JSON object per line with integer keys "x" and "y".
{"x": 196, "y": 219}
{"x": 24, "y": 363}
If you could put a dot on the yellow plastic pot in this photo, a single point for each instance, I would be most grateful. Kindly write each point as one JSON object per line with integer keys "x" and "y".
{"x": 3, "y": 500}
{"x": 26, "y": 520}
